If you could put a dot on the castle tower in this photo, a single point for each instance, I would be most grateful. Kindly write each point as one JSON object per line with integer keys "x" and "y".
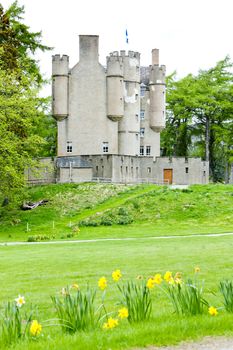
{"x": 157, "y": 93}
{"x": 60, "y": 85}
{"x": 129, "y": 125}
{"x": 115, "y": 87}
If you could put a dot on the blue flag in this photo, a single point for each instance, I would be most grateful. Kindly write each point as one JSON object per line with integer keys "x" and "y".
{"x": 126, "y": 37}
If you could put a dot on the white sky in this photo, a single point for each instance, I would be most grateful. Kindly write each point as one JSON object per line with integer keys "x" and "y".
{"x": 191, "y": 34}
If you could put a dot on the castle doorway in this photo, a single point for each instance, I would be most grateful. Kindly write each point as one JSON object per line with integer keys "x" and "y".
{"x": 167, "y": 176}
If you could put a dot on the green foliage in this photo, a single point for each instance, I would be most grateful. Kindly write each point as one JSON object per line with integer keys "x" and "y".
{"x": 137, "y": 298}
{"x": 18, "y": 44}
{"x": 76, "y": 312}
{"x": 25, "y": 130}
{"x": 200, "y": 117}
{"x": 226, "y": 288}
{"x": 187, "y": 298}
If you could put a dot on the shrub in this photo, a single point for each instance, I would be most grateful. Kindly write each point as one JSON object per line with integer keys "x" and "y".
{"x": 226, "y": 288}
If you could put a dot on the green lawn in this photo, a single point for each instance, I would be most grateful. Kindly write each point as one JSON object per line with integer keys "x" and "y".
{"x": 37, "y": 272}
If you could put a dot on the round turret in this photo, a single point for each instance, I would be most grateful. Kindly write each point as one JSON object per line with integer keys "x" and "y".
{"x": 60, "y": 78}
{"x": 115, "y": 87}
{"x": 157, "y": 94}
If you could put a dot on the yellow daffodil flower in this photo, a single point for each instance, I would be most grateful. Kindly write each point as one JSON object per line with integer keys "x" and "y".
{"x": 75, "y": 286}
{"x": 213, "y": 311}
{"x": 158, "y": 278}
{"x": 35, "y": 328}
{"x": 197, "y": 269}
{"x": 168, "y": 276}
{"x": 111, "y": 323}
{"x": 123, "y": 313}
{"x": 150, "y": 283}
{"x": 102, "y": 283}
{"x": 116, "y": 275}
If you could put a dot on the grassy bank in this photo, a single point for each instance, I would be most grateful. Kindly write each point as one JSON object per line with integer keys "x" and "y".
{"x": 107, "y": 210}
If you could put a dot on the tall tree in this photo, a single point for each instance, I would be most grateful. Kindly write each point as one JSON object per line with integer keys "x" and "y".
{"x": 200, "y": 107}
{"x": 23, "y": 114}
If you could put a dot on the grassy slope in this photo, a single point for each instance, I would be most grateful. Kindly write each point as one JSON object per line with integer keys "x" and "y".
{"x": 37, "y": 272}
{"x": 155, "y": 211}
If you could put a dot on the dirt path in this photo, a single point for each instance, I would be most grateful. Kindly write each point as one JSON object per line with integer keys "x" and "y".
{"x": 208, "y": 343}
{"x": 117, "y": 239}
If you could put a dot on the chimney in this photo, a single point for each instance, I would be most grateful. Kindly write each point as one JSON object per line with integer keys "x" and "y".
{"x": 155, "y": 56}
{"x": 89, "y": 47}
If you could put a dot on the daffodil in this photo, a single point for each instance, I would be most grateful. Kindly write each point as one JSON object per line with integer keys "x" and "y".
{"x": 102, "y": 283}
{"x": 116, "y": 275}
{"x": 139, "y": 277}
{"x": 75, "y": 286}
{"x": 168, "y": 276}
{"x": 197, "y": 269}
{"x": 158, "y": 278}
{"x": 178, "y": 280}
{"x": 123, "y": 313}
{"x": 150, "y": 283}
{"x": 35, "y": 328}
{"x": 213, "y": 311}
{"x": 20, "y": 301}
{"x": 111, "y": 323}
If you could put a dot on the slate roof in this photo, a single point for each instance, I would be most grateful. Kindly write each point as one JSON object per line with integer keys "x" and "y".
{"x": 76, "y": 162}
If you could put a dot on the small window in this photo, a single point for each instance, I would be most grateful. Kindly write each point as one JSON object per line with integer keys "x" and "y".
{"x": 121, "y": 170}
{"x": 141, "y": 150}
{"x": 136, "y": 136}
{"x": 204, "y": 173}
{"x": 142, "y": 115}
{"x": 126, "y": 170}
{"x": 148, "y": 150}
{"x": 142, "y": 132}
{"x": 105, "y": 147}
{"x": 149, "y": 170}
{"x": 186, "y": 170}
{"x": 131, "y": 171}
{"x": 136, "y": 117}
{"x": 142, "y": 91}
{"x": 97, "y": 168}
{"x": 69, "y": 147}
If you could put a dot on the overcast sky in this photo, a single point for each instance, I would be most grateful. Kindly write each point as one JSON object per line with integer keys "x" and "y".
{"x": 191, "y": 34}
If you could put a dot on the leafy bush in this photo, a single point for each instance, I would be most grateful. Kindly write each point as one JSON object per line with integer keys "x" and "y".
{"x": 39, "y": 238}
{"x": 226, "y": 288}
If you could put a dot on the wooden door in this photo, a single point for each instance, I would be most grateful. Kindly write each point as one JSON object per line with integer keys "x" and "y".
{"x": 167, "y": 176}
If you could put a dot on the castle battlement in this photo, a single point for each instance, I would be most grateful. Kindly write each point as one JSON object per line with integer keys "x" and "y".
{"x": 60, "y": 58}
{"x": 123, "y": 53}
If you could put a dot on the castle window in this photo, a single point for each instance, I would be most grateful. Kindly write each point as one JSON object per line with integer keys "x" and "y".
{"x": 141, "y": 150}
{"x": 69, "y": 147}
{"x": 136, "y": 136}
{"x": 186, "y": 170}
{"x": 142, "y": 91}
{"x": 142, "y": 115}
{"x": 148, "y": 149}
{"x": 105, "y": 147}
{"x": 142, "y": 132}
{"x": 136, "y": 116}
{"x": 148, "y": 170}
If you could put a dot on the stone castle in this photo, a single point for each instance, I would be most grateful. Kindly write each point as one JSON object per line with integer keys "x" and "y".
{"x": 109, "y": 120}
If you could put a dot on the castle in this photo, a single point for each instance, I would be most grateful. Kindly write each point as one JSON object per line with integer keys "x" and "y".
{"x": 109, "y": 120}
